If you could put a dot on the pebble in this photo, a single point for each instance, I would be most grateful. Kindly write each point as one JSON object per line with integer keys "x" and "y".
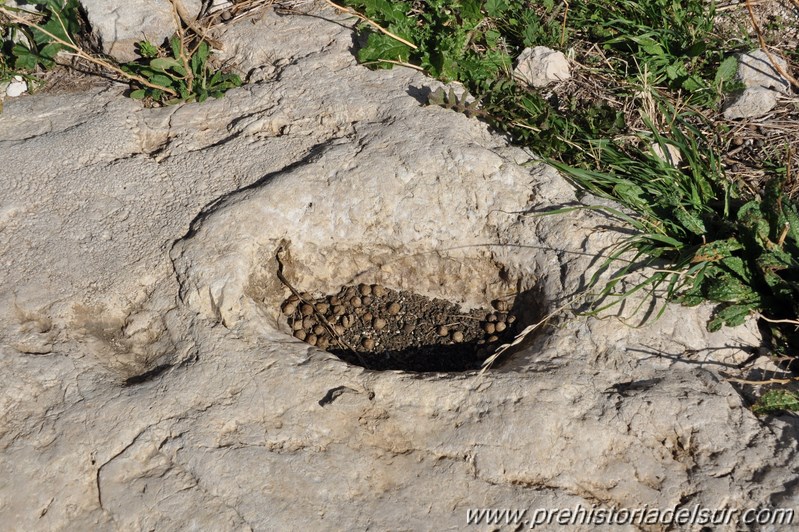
{"x": 364, "y": 289}
{"x": 500, "y": 305}
{"x": 500, "y": 326}
{"x": 378, "y": 290}
{"x": 368, "y": 343}
{"x": 289, "y": 308}
{"x": 311, "y": 339}
{"x": 308, "y": 323}
{"x": 408, "y": 328}
{"x": 394, "y": 308}
{"x": 338, "y": 310}
{"x": 489, "y": 328}
{"x": 492, "y": 339}
{"x": 367, "y": 300}
{"x": 491, "y": 318}
{"x": 322, "y": 308}
{"x": 457, "y": 337}
{"x": 347, "y": 320}
{"x": 511, "y": 318}
{"x": 306, "y": 309}
{"x": 299, "y": 335}
{"x": 379, "y": 323}
{"x": 443, "y": 330}
{"x": 323, "y": 342}
{"x": 355, "y": 301}
{"x": 318, "y": 330}
{"x": 297, "y": 325}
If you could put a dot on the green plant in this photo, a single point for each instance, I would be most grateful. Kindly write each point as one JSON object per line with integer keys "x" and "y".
{"x": 775, "y": 401}
{"x": 32, "y": 41}
{"x": 26, "y": 47}
{"x": 180, "y": 75}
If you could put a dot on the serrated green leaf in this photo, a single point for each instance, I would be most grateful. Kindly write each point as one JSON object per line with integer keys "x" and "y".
{"x": 495, "y": 8}
{"x": 147, "y": 49}
{"x": 727, "y": 70}
{"x": 379, "y": 46}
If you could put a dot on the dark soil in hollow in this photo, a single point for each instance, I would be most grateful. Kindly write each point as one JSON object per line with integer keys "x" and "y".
{"x": 382, "y": 329}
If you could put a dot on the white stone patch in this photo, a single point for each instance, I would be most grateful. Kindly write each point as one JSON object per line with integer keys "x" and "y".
{"x": 540, "y": 66}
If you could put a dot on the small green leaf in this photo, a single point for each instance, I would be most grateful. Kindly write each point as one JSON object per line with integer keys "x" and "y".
{"x": 147, "y": 49}
{"x": 138, "y": 94}
{"x": 162, "y": 64}
{"x": 162, "y": 80}
{"x": 726, "y": 71}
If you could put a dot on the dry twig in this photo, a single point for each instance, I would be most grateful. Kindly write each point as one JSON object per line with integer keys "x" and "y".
{"x": 764, "y": 46}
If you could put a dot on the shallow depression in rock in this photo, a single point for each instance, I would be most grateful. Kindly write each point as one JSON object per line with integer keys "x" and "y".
{"x": 380, "y": 328}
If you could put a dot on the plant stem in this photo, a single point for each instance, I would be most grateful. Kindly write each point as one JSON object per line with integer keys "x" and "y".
{"x": 79, "y": 52}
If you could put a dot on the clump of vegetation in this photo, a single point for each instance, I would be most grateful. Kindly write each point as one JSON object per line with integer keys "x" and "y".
{"x": 652, "y": 73}
{"x": 31, "y": 42}
{"x": 183, "y": 74}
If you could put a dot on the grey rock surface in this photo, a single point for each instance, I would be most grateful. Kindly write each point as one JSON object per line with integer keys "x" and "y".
{"x": 120, "y": 24}
{"x": 150, "y": 383}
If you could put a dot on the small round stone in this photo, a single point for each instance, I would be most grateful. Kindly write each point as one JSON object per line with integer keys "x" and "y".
{"x": 492, "y": 339}
{"x": 289, "y": 308}
{"x": 500, "y": 305}
{"x": 297, "y": 325}
{"x": 443, "y": 330}
{"x": 355, "y": 301}
{"x": 292, "y": 299}
{"x": 311, "y": 339}
{"x": 408, "y": 328}
{"x": 457, "y": 337}
{"x": 339, "y": 310}
{"x": 367, "y": 317}
{"x": 335, "y": 300}
{"x": 368, "y": 343}
{"x": 379, "y": 323}
{"x": 367, "y": 300}
{"x": 318, "y": 330}
{"x": 491, "y": 318}
{"x": 500, "y": 326}
{"x": 339, "y": 329}
{"x": 489, "y": 328}
{"x": 308, "y": 323}
{"x": 394, "y": 308}
{"x": 347, "y": 320}
{"x": 299, "y": 335}
{"x": 511, "y": 319}
{"x": 364, "y": 289}
{"x": 378, "y": 290}
{"x": 322, "y": 308}
{"x": 351, "y": 292}
{"x": 306, "y": 309}
{"x": 323, "y": 342}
